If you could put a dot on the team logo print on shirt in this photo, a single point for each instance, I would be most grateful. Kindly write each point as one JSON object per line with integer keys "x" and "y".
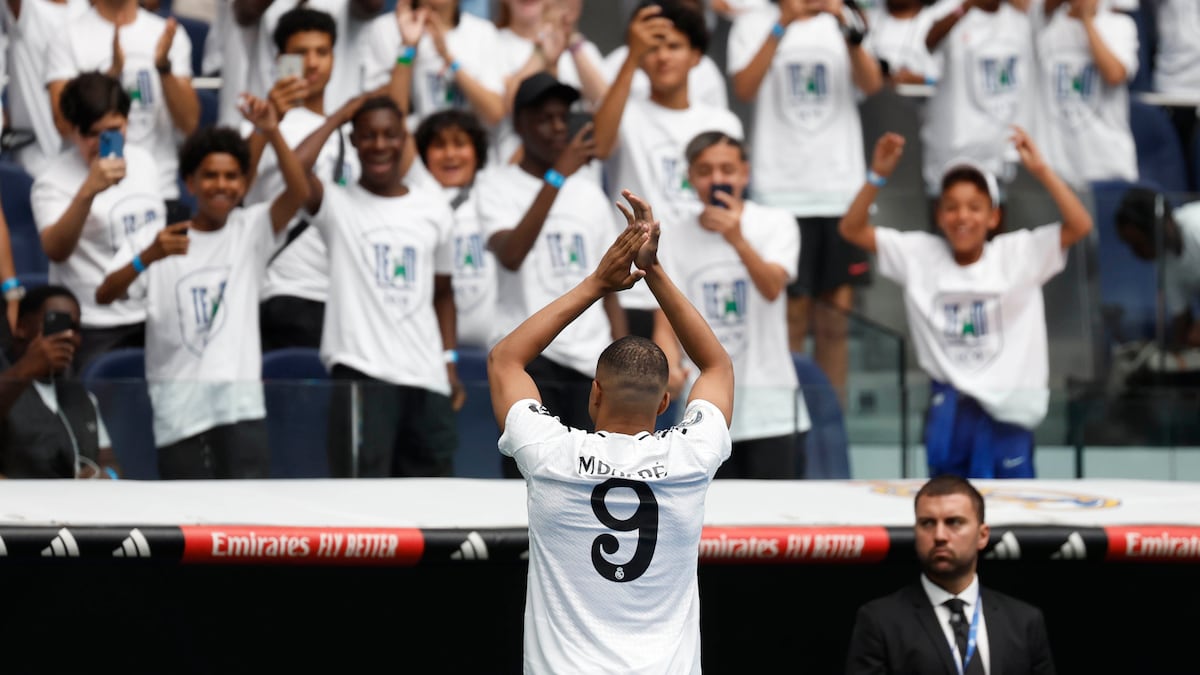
{"x": 443, "y": 93}
{"x": 671, "y": 178}
{"x": 139, "y": 79}
{"x": 725, "y": 291}
{"x": 132, "y": 214}
{"x": 969, "y": 328}
{"x": 806, "y": 90}
{"x": 472, "y": 274}
{"x": 395, "y": 269}
{"x": 1076, "y": 92}
{"x": 567, "y": 260}
{"x": 995, "y": 84}
{"x": 200, "y": 299}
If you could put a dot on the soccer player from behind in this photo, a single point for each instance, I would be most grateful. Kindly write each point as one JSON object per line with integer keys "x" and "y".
{"x": 974, "y": 304}
{"x": 200, "y": 280}
{"x": 615, "y": 516}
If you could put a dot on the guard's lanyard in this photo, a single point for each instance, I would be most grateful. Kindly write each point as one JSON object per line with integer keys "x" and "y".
{"x": 971, "y": 635}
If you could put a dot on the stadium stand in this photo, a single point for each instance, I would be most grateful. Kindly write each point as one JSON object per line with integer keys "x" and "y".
{"x": 826, "y": 451}
{"x": 297, "y": 391}
{"x": 117, "y": 380}
{"x": 477, "y": 430}
{"x": 197, "y": 32}
{"x": 15, "y": 185}
{"x": 1127, "y": 283}
{"x": 1160, "y": 155}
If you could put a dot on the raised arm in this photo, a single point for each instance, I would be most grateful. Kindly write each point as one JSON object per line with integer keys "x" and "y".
{"x": 410, "y": 24}
{"x": 646, "y": 31}
{"x": 506, "y": 362}
{"x": 855, "y": 226}
{"x": 447, "y": 319}
{"x": 8, "y": 269}
{"x": 512, "y": 246}
{"x": 182, "y": 102}
{"x": 310, "y": 148}
{"x": 295, "y": 177}
{"x": 171, "y": 240}
{"x": 1107, "y": 64}
{"x": 747, "y": 80}
{"x": 487, "y": 103}
{"x": 60, "y": 239}
{"x": 942, "y": 27}
{"x": 715, "y": 382}
{"x": 1076, "y": 221}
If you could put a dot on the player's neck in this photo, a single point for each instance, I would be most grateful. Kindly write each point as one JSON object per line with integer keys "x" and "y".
{"x": 675, "y": 99}
{"x": 629, "y": 425}
{"x": 316, "y": 103}
{"x": 117, "y": 12}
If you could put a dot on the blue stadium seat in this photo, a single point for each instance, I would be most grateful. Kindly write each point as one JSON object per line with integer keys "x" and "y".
{"x": 1127, "y": 283}
{"x": 1159, "y": 153}
{"x": 1196, "y": 162}
{"x": 15, "y": 186}
{"x": 34, "y": 280}
{"x": 478, "y": 433}
{"x": 298, "y": 393}
{"x": 197, "y": 32}
{"x": 1147, "y": 35}
{"x": 118, "y": 380}
{"x": 827, "y": 450}
{"x": 209, "y": 106}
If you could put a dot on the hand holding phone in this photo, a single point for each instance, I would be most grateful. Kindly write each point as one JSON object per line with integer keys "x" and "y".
{"x": 54, "y": 322}
{"x": 719, "y": 187}
{"x": 289, "y": 65}
{"x": 112, "y": 143}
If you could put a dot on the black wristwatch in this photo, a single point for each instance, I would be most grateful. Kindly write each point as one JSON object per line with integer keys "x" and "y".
{"x": 163, "y": 68}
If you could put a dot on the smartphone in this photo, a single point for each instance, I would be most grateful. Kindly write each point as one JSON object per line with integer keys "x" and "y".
{"x": 289, "y": 65}
{"x": 719, "y": 187}
{"x": 576, "y": 121}
{"x": 112, "y": 143}
{"x": 54, "y": 323}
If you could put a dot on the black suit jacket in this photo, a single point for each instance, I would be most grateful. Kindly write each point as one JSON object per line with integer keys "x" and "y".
{"x": 899, "y": 635}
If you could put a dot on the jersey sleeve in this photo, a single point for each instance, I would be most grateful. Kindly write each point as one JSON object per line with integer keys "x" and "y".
{"x": 259, "y": 234}
{"x": 746, "y": 37}
{"x": 529, "y": 427}
{"x": 497, "y": 212}
{"x": 1120, "y": 34}
{"x": 49, "y": 201}
{"x": 780, "y": 244}
{"x": 705, "y": 433}
{"x": 894, "y": 251}
{"x": 60, "y": 61}
{"x": 331, "y": 202}
{"x": 1038, "y": 254}
{"x": 180, "y": 54}
{"x": 380, "y": 49}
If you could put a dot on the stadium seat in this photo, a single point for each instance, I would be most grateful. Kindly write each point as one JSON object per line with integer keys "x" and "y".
{"x": 1196, "y": 162}
{"x": 34, "y": 280}
{"x": 197, "y": 32}
{"x": 118, "y": 381}
{"x": 478, "y": 433}
{"x": 1143, "y": 17}
{"x": 1127, "y": 283}
{"x": 209, "y": 106}
{"x": 15, "y": 186}
{"x": 826, "y": 451}
{"x": 298, "y": 393}
{"x": 1159, "y": 153}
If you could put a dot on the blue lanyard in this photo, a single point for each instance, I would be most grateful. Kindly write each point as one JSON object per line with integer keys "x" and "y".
{"x": 971, "y": 636}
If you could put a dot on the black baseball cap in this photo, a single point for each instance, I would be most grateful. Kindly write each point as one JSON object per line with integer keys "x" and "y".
{"x": 542, "y": 85}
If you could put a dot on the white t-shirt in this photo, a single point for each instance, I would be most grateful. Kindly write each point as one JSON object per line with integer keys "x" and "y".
{"x": 302, "y": 269}
{"x": 227, "y": 50}
{"x": 28, "y": 103}
{"x": 988, "y": 83}
{"x": 1084, "y": 119}
{"x": 472, "y": 42}
{"x": 87, "y": 45}
{"x": 346, "y": 81}
{"x": 901, "y": 42}
{"x": 767, "y": 401}
{"x": 807, "y": 154}
{"x": 1182, "y": 285}
{"x": 982, "y": 327}
{"x": 203, "y": 355}
{"x": 577, "y": 231}
{"x": 116, "y": 214}
{"x": 648, "y": 159}
{"x": 635, "y": 609}
{"x": 383, "y": 255}
{"x": 1177, "y": 57}
{"x": 706, "y": 84}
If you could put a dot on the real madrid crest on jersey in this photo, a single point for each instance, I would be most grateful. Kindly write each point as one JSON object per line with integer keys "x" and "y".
{"x": 200, "y": 298}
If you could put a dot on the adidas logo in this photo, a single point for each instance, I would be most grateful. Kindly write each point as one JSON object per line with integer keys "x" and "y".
{"x": 1008, "y": 548}
{"x": 1072, "y": 549}
{"x": 473, "y": 548}
{"x": 134, "y": 546}
{"x": 63, "y": 546}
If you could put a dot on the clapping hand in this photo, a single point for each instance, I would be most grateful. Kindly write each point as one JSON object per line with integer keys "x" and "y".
{"x": 162, "y": 51}
{"x": 888, "y": 150}
{"x": 410, "y": 22}
{"x": 615, "y": 271}
{"x": 1031, "y": 157}
{"x": 259, "y": 113}
{"x": 643, "y": 217}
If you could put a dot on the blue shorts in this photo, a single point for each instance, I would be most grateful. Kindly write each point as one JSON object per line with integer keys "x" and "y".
{"x": 962, "y": 439}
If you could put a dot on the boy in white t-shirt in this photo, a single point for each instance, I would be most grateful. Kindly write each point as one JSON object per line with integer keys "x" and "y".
{"x": 974, "y": 308}
{"x": 643, "y": 139}
{"x": 200, "y": 281}
{"x": 389, "y": 334}
{"x": 734, "y": 259}
{"x": 1087, "y": 55}
{"x": 615, "y": 516}
{"x": 545, "y": 221}
{"x": 152, "y": 57}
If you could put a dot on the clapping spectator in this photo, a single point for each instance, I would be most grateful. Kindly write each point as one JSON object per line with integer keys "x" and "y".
{"x": 896, "y": 37}
{"x": 87, "y": 204}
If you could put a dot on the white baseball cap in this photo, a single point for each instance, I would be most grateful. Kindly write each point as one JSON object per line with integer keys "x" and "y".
{"x": 988, "y": 178}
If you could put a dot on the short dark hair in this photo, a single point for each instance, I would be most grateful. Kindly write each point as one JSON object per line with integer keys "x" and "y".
{"x": 209, "y": 140}
{"x": 708, "y": 139}
{"x": 432, "y": 126}
{"x": 1137, "y": 210}
{"x": 950, "y": 484}
{"x": 303, "y": 20}
{"x": 35, "y": 299}
{"x": 966, "y": 174}
{"x": 684, "y": 17}
{"x": 636, "y": 365}
{"x": 89, "y": 97}
{"x": 378, "y": 103}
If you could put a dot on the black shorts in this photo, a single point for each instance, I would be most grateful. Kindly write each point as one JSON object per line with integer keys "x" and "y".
{"x": 826, "y": 260}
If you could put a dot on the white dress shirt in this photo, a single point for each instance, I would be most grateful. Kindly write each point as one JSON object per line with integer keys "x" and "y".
{"x": 970, "y": 595}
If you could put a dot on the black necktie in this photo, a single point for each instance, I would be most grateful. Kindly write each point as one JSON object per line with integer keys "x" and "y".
{"x": 960, "y": 627}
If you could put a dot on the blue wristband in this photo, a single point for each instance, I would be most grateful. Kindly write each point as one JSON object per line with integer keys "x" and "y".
{"x": 930, "y": 80}
{"x": 554, "y": 178}
{"x": 454, "y": 66}
{"x": 406, "y": 57}
{"x": 9, "y": 284}
{"x": 450, "y": 356}
{"x": 875, "y": 179}
{"x": 138, "y": 265}
{"x": 111, "y": 473}
{"x": 778, "y": 30}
